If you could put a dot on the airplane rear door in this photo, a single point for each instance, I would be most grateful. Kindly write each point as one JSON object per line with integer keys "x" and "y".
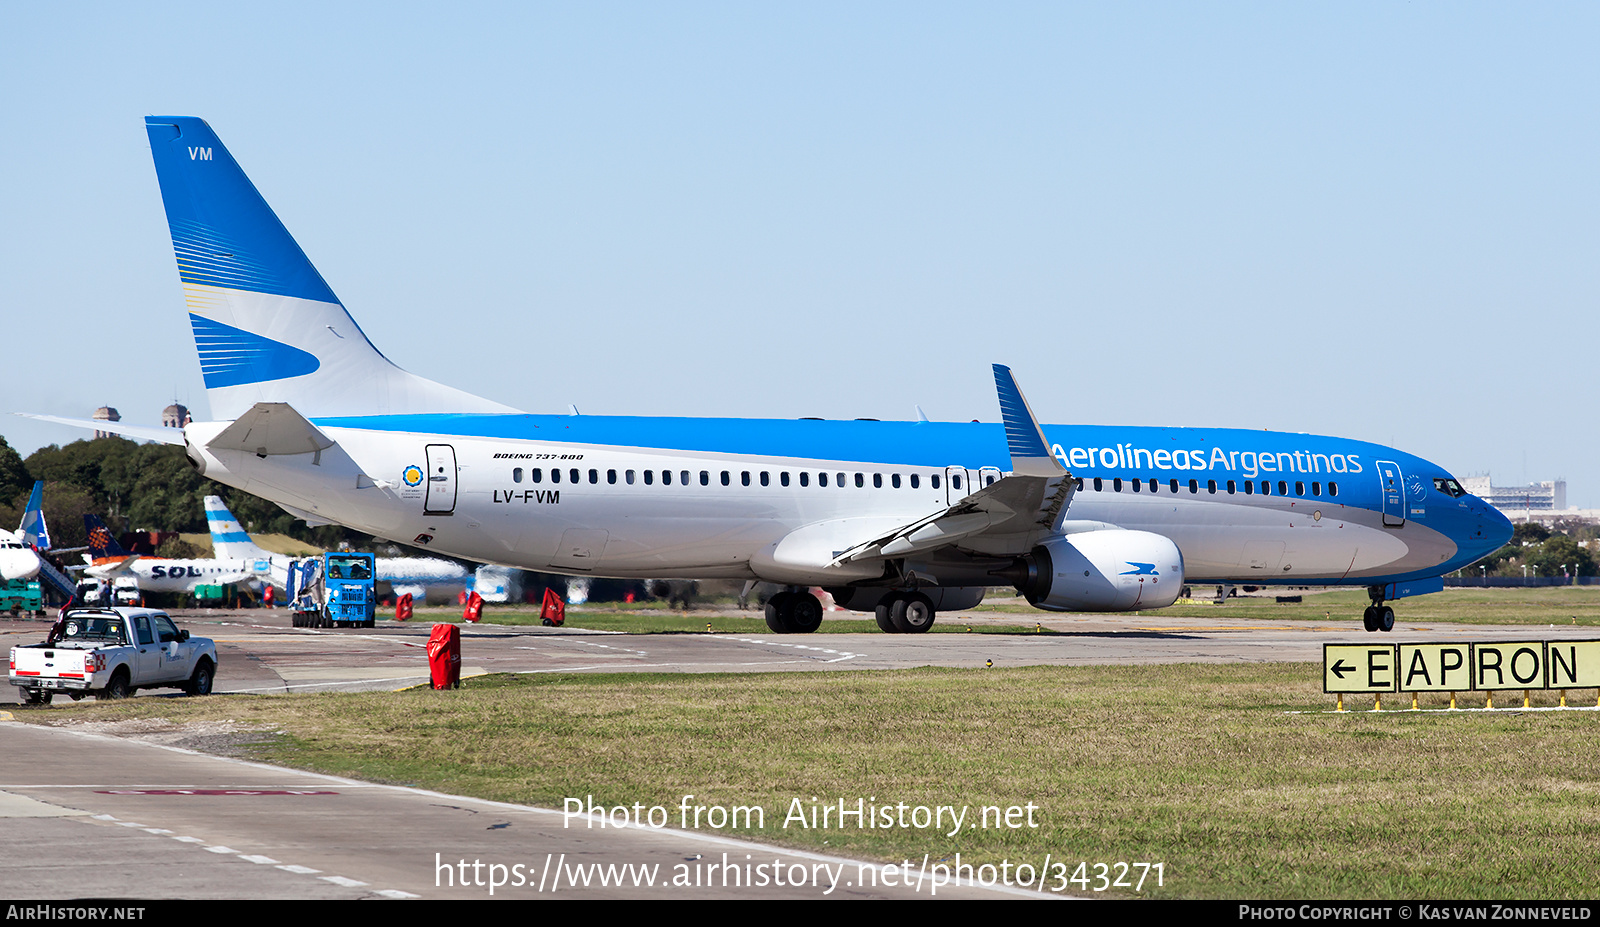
{"x": 1394, "y": 494}
{"x": 441, "y": 497}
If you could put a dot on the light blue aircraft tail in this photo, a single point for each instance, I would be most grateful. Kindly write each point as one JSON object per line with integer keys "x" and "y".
{"x": 268, "y": 328}
{"x": 228, "y": 537}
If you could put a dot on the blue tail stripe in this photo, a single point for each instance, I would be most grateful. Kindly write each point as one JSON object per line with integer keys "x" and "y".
{"x": 231, "y": 356}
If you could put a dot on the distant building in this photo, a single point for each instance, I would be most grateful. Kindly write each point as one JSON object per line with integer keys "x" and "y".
{"x": 175, "y": 416}
{"x": 1537, "y": 497}
{"x": 105, "y": 414}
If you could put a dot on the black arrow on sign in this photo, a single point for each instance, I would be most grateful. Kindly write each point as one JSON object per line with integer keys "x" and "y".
{"x": 1339, "y": 669}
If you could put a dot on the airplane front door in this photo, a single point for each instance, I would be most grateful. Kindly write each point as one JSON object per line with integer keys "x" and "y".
{"x": 441, "y": 497}
{"x": 1394, "y": 494}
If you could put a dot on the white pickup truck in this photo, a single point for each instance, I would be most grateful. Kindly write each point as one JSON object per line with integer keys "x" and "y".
{"x": 110, "y": 652}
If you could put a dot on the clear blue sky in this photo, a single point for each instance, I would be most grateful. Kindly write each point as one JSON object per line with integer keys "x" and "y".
{"x": 1369, "y": 220}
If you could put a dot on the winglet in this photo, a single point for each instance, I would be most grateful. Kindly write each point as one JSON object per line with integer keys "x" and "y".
{"x": 1030, "y": 452}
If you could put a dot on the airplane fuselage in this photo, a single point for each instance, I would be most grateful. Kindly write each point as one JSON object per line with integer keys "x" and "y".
{"x": 710, "y": 498}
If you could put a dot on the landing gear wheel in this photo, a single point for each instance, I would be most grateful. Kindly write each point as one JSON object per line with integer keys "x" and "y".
{"x": 805, "y": 614}
{"x": 200, "y": 682}
{"x": 884, "y": 613}
{"x": 913, "y": 613}
{"x": 1383, "y": 618}
{"x": 1368, "y": 620}
{"x": 37, "y": 696}
{"x": 779, "y": 608}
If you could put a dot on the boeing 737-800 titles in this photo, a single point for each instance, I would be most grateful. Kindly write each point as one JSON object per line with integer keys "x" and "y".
{"x": 901, "y": 517}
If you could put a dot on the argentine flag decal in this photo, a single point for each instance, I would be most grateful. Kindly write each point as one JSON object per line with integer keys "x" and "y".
{"x": 233, "y": 357}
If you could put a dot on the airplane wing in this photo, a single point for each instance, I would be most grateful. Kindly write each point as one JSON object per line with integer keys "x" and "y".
{"x": 1009, "y": 516}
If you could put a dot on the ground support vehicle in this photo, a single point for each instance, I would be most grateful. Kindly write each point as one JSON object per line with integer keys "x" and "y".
{"x": 110, "y": 653}
{"x": 336, "y": 589}
{"x": 22, "y": 595}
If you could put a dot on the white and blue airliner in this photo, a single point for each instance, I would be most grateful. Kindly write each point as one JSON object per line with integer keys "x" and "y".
{"x": 903, "y": 518}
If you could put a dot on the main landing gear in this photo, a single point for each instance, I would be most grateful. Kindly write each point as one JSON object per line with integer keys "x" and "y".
{"x": 794, "y": 611}
{"x": 904, "y": 613}
{"x": 1378, "y": 616}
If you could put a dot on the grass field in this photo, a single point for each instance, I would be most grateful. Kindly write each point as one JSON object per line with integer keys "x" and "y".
{"x": 1235, "y": 778}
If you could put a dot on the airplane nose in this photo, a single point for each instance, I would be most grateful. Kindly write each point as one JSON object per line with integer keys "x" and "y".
{"x": 1494, "y": 528}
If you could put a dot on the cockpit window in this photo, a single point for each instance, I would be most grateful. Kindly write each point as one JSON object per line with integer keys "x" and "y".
{"x": 1448, "y": 486}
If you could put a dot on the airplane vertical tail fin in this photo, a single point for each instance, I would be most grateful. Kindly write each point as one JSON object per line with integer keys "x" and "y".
{"x": 33, "y": 530}
{"x": 228, "y": 537}
{"x": 268, "y": 328}
{"x": 102, "y": 543}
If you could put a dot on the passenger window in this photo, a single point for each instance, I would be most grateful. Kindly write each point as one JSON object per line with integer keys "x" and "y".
{"x": 611, "y": 476}
{"x": 1333, "y": 488}
{"x": 822, "y": 479}
{"x": 860, "y": 481}
{"x": 877, "y": 481}
{"x": 955, "y": 481}
{"x": 536, "y": 475}
{"x": 1316, "y": 487}
{"x": 894, "y": 480}
{"x": 594, "y": 476}
{"x": 1078, "y": 485}
{"x": 1174, "y": 487}
{"x": 666, "y": 477}
{"x": 555, "y": 475}
{"x": 913, "y": 481}
{"x": 1299, "y": 488}
{"x": 744, "y": 477}
{"x": 649, "y": 477}
{"x": 1136, "y": 485}
{"x": 705, "y": 477}
{"x": 1194, "y": 487}
{"x": 805, "y": 478}
{"x": 765, "y": 481}
{"x": 1116, "y": 484}
{"x": 572, "y": 475}
{"x": 628, "y": 475}
{"x": 840, "y": 481}
{"x": 1211, "y": 487}
{"x": 683, "y": 477}
{"x": 992, "y": 478}
{"x": 1230, "y": 487}
{"x": 1283, "y": 488}
{"x": 1153, "y": 484}
{"x": 1249, "y": 488}
{"x": 1098, "y": 487}
{"x": 725, "y": 478}
{"x": 516, "y": 474}
{"x": 934, "y": 480}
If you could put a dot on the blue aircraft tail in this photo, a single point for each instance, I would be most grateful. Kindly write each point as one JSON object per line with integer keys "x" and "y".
{"x": 32, "y": 529}
{"x": 102, "y": 543}
{"x": 267, "y": 326}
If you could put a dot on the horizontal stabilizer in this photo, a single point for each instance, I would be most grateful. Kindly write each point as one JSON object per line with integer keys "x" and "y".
{"x": 137, "y": 432}
{"x": 270, "y": 429}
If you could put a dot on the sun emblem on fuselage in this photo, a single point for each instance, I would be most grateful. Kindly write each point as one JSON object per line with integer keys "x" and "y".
{"x": 412, "y": 475}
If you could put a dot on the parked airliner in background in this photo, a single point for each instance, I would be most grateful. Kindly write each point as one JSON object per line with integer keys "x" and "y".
{"x": 414, "y": 575}
{"x": 901, "y": 517}
{"x": 239, "y": 560}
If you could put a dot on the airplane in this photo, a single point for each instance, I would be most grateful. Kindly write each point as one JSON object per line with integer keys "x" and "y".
{"x": 904, "y": 518}
{"x": 414, "y": 575}
{"x": 18, "y": 556}
{"x": 109, "y": 560}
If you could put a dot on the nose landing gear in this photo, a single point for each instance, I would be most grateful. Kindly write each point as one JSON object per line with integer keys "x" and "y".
{"x": 1378, "y": 616}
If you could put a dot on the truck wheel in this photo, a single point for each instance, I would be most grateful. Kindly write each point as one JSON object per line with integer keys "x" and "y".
{"x": 200, "y": 682}
{"x": 37, "y": 696}
{"x": 117, "y": 688}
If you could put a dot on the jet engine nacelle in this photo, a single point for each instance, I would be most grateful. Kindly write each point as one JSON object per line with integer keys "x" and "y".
{"x": 1114, "y": 570}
